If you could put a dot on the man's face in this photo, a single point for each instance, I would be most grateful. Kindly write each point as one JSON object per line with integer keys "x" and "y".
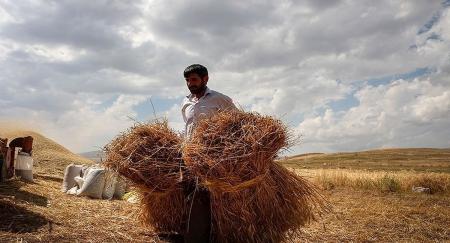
{"x": 195, "y": 83}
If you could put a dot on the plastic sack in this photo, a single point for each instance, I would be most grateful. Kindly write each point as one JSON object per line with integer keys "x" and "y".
{"x": 69, "y": 176}
{"x": 94, "y": 182}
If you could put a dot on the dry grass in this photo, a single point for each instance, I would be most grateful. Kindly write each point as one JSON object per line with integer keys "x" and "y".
{"x": 40, "y": 212}
{"x": 49, "y": 157}
{"x": 418, "y": 159}
{"x": 365, "y": 216}
{"x": 383, "y": 181}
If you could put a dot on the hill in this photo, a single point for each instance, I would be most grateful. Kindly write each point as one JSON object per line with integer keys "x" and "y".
{"x": 418, "y": 159}
{"x": 93, "y": 155}
{"x": 49, "y": 156}
{"x": 40, "y": 212}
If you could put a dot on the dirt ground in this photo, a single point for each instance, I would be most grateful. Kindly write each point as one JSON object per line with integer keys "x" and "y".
{"x": 40, "y": 212}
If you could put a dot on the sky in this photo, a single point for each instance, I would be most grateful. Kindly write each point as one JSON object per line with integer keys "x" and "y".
{"x": 343, "y": 75}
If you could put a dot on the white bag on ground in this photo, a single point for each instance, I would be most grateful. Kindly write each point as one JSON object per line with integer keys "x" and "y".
{"x": 24, "y": 166}
{"x": 80, "y": 181}
{"x": 110, "y": 185}
{"x": 69, "y": 176}
{"x": 85, "y": 169}
{"x": 72, "y": 191}
{"x": 94, "y": 182}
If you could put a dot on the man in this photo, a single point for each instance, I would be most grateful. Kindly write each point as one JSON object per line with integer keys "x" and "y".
{"x": 200, "y": 104}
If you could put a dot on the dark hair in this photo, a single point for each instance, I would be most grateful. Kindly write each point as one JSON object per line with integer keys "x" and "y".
{"x": 196, "y": 68}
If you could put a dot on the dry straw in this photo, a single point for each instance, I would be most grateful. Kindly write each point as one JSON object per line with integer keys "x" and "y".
{"x": 253, "y": 198}
{"x": 149, "y": 156}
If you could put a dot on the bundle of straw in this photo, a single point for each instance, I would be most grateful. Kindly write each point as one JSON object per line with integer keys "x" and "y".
{"x": 234, "y": 147}
{"x": 149, "y": 156}
{"x": 253, "y": 198}
{"x": 164, "y": 213}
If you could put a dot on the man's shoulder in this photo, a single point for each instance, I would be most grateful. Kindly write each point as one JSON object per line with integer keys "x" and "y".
{"x": 217, "y": 94}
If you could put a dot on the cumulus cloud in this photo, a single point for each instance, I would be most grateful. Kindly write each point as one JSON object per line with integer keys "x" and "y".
{"x": 74, "y": 66}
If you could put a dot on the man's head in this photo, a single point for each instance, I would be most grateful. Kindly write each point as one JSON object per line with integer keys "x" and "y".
{"x": 196, "y": 77}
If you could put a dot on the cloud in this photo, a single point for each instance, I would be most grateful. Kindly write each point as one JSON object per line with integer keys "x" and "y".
{"x": 404, "y": 113}
{"x": 72, "y": 65}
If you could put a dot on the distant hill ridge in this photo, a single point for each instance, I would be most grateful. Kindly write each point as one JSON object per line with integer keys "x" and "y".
{"x": 426, "y": 159}
{"x": 49, "y": 156}
{"x": 96, "y": 155}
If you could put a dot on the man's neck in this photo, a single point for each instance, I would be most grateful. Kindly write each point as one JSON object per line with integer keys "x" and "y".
{"x": 201, "y": 94}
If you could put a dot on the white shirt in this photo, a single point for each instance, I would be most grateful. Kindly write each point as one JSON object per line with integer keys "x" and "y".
{"x": 193, "y": 109}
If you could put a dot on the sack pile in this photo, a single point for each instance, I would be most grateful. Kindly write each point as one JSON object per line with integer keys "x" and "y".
{"x": 93, "y": 181}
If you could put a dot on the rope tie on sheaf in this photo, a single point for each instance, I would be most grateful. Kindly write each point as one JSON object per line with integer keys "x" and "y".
{"x": 154, "y": 192}
{"x": 224, "y": 187}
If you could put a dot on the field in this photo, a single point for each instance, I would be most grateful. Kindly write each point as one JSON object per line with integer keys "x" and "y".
{"x": 370, "y": 193}
{"x": 417, "y": 159}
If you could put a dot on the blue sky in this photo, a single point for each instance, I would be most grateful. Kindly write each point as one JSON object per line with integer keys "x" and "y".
{"x": 345, "y": 75}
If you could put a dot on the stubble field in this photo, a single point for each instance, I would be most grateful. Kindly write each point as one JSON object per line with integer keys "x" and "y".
{"x": 370, "y": 193}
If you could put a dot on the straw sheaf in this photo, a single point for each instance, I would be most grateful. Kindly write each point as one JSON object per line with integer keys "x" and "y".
{"x": 253, "y": 198}
{"x": 149, "y": 155}
{"x": 234, "y": 148}
{"x": 272, "y": 211}
{"x": 164, "y": 212}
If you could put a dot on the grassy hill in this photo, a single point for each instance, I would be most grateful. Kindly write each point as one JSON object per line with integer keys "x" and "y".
{"x": 418, "y": 159}
{"x": 40, "y": 212}
{"x": 49, "y": 156}
{"x": 93, "y": 155}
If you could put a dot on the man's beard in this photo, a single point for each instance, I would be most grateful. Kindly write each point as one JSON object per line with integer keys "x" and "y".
{"x": 197, "y": 89}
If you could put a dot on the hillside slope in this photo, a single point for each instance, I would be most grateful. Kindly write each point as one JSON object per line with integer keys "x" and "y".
{"x": 419, "y": 159}
{"x": 49, "y": 156}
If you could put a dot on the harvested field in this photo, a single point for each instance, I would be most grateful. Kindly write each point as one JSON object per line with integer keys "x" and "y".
{"x": 417, "y": 159}
{"x": 40, "y": 212}
{"x": 382, "y": 181}
{"x": 364, "y": 216}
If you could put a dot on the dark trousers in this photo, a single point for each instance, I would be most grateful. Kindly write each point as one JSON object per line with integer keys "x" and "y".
{"x": 198, "y": 221}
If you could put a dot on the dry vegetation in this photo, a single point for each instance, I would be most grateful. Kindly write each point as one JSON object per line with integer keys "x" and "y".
{"x": 253, "y": 198}
{"x": 149, "y": 156}
{"x": 40, "y": 212}
{"x": 362, "y": 209}
{"x": 418, "y": 159}
{"x": 367, "y": 216}
{"x": 49, "y": 157}
{"x": 232, "y": 155}
{"x": 382, "y": 181}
